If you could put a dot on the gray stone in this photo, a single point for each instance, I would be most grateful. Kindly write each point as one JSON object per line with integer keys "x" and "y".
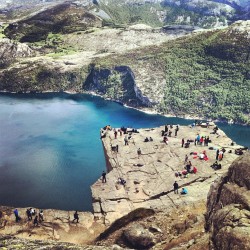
{"x": 139, "y": 237}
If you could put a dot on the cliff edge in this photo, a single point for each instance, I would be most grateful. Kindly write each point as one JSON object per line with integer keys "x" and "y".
{"x": 228, "y": 208}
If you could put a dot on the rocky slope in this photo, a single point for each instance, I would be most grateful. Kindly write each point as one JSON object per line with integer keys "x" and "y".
{"x": 63, "y": 18}
{"x": 206, "y": 74}
{"x": 228, "y": 208}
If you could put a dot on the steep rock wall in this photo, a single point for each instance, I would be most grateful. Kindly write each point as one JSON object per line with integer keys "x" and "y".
{"x": 228, "y": 208}
{"x": 117, "y": 83}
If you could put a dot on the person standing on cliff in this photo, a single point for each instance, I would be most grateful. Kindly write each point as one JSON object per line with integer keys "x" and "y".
{"x": 17, "y": 215}
{"x": 176, "y": 130}
{"x": 115, "y": 133}
{"x": 182, "y": 142}
{"x": 176, "y": 186}
{"x": 76, "y": 217}
{"x": 217, "y": 154}
{"x": 36, "y": 221}
{"x": 29, "y": 215}
{"x": 104, "y": 177}
{"x": 126, "y": 140}
{"x": 139, "y": 152}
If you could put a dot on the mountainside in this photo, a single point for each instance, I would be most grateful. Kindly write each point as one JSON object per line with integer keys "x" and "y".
{"x": 63, "y": 18}
{"x": 66, "y": 47}
{"x": 203, "y": 13}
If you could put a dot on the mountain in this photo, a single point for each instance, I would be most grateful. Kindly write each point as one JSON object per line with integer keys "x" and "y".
{"x": 176, "y": 70}
{"x": 203, "y": 13}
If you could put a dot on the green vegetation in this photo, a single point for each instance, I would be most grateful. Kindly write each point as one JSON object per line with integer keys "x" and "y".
{"x": 132, "y": 14}
{"x": 207, "y": 75}
{"x": 2, "y": 28}
{"x": 155, "y": 15}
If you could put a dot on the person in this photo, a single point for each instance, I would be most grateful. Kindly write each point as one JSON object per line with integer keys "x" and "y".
{"x": 41, "y": 216}
{"x": 182, "y": 142}
{"x": 146, "y": 139}
{"x": 169, "y": 133}
{"x": 166, "y": 128}
{"x": 120, "y": 132}
{"x": 176, "y": 186}
{"x": 217, "y": 154}
{"x": 121, "y": 181}
{"x": 139, "y": 152}
{"x": 184, "y": 191}
{"x": 126, "y": 140}
{"x": 176, "y": 130}
{"x": 165, "y": 139}
{"x": 115, "y": 133}
{"x": 29, "y": 215}
{"x": 216, "y": 166}
{"x": 17, "y": 215}
{"x": 239, "y": 151}
{"x": 188, "y": 166}
{"x": 186, "y": 159}
{"x": 76, "y": 217}
{"x": 150, "y": 139}
{"x": 32, "y": 211}
{"x": 198, "y": 139}
{"x": 36, "y": 221}
{"x": 194, "y": 170}
{"x": 104, "y": 177}
{"x": 220, "y": 156}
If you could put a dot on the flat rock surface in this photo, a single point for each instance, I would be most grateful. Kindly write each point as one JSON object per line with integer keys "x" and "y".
{"x": 150, "y": 176}
{"x": 58, "y": 225}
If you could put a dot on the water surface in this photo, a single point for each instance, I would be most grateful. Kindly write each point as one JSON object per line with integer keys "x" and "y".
{"x": 50, "y": 151}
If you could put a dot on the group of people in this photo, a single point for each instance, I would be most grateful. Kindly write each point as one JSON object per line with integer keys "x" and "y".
{"x": 30, "y": 212}
{"x": 202, "y": 140}
{"x": 167, "y": 132}
{"x": 176, "y": 189}
{"x": 39, "y": 218}
{"x": 220, "y": 154}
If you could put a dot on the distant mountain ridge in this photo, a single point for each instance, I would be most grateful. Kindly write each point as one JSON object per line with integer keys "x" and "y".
{"x": 203, "y": 13}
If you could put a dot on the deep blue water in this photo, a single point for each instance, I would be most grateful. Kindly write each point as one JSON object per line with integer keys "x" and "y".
{"x": 50, "y": 151}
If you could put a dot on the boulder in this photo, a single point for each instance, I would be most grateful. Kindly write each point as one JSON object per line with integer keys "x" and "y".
{"x": 139, "y": 237}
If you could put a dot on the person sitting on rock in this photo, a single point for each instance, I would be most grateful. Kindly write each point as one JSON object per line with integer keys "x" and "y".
{"x": 194, "y": 170}
{"x": 150, "y": 139}
{"x": 146, "y": 139}
{"x": 184, "y": 191}
{"x": 216, "y": 166}
{"x": 139, "y": 152}
{"x": 121, "y": 181}
{"x": 165, "y": 139}
{"x": 238, "y": 151}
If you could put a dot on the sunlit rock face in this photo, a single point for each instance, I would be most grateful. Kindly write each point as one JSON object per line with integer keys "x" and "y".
{"x": 228, "y": 208}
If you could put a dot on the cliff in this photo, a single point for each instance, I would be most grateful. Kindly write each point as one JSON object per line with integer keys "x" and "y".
{"x": 150, "y": 176}
{"x": 228, "y": 208}
{"x": 145, "y": 213}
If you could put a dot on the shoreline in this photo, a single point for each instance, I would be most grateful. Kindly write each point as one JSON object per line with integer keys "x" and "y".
{"x": 144, "y": 110}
